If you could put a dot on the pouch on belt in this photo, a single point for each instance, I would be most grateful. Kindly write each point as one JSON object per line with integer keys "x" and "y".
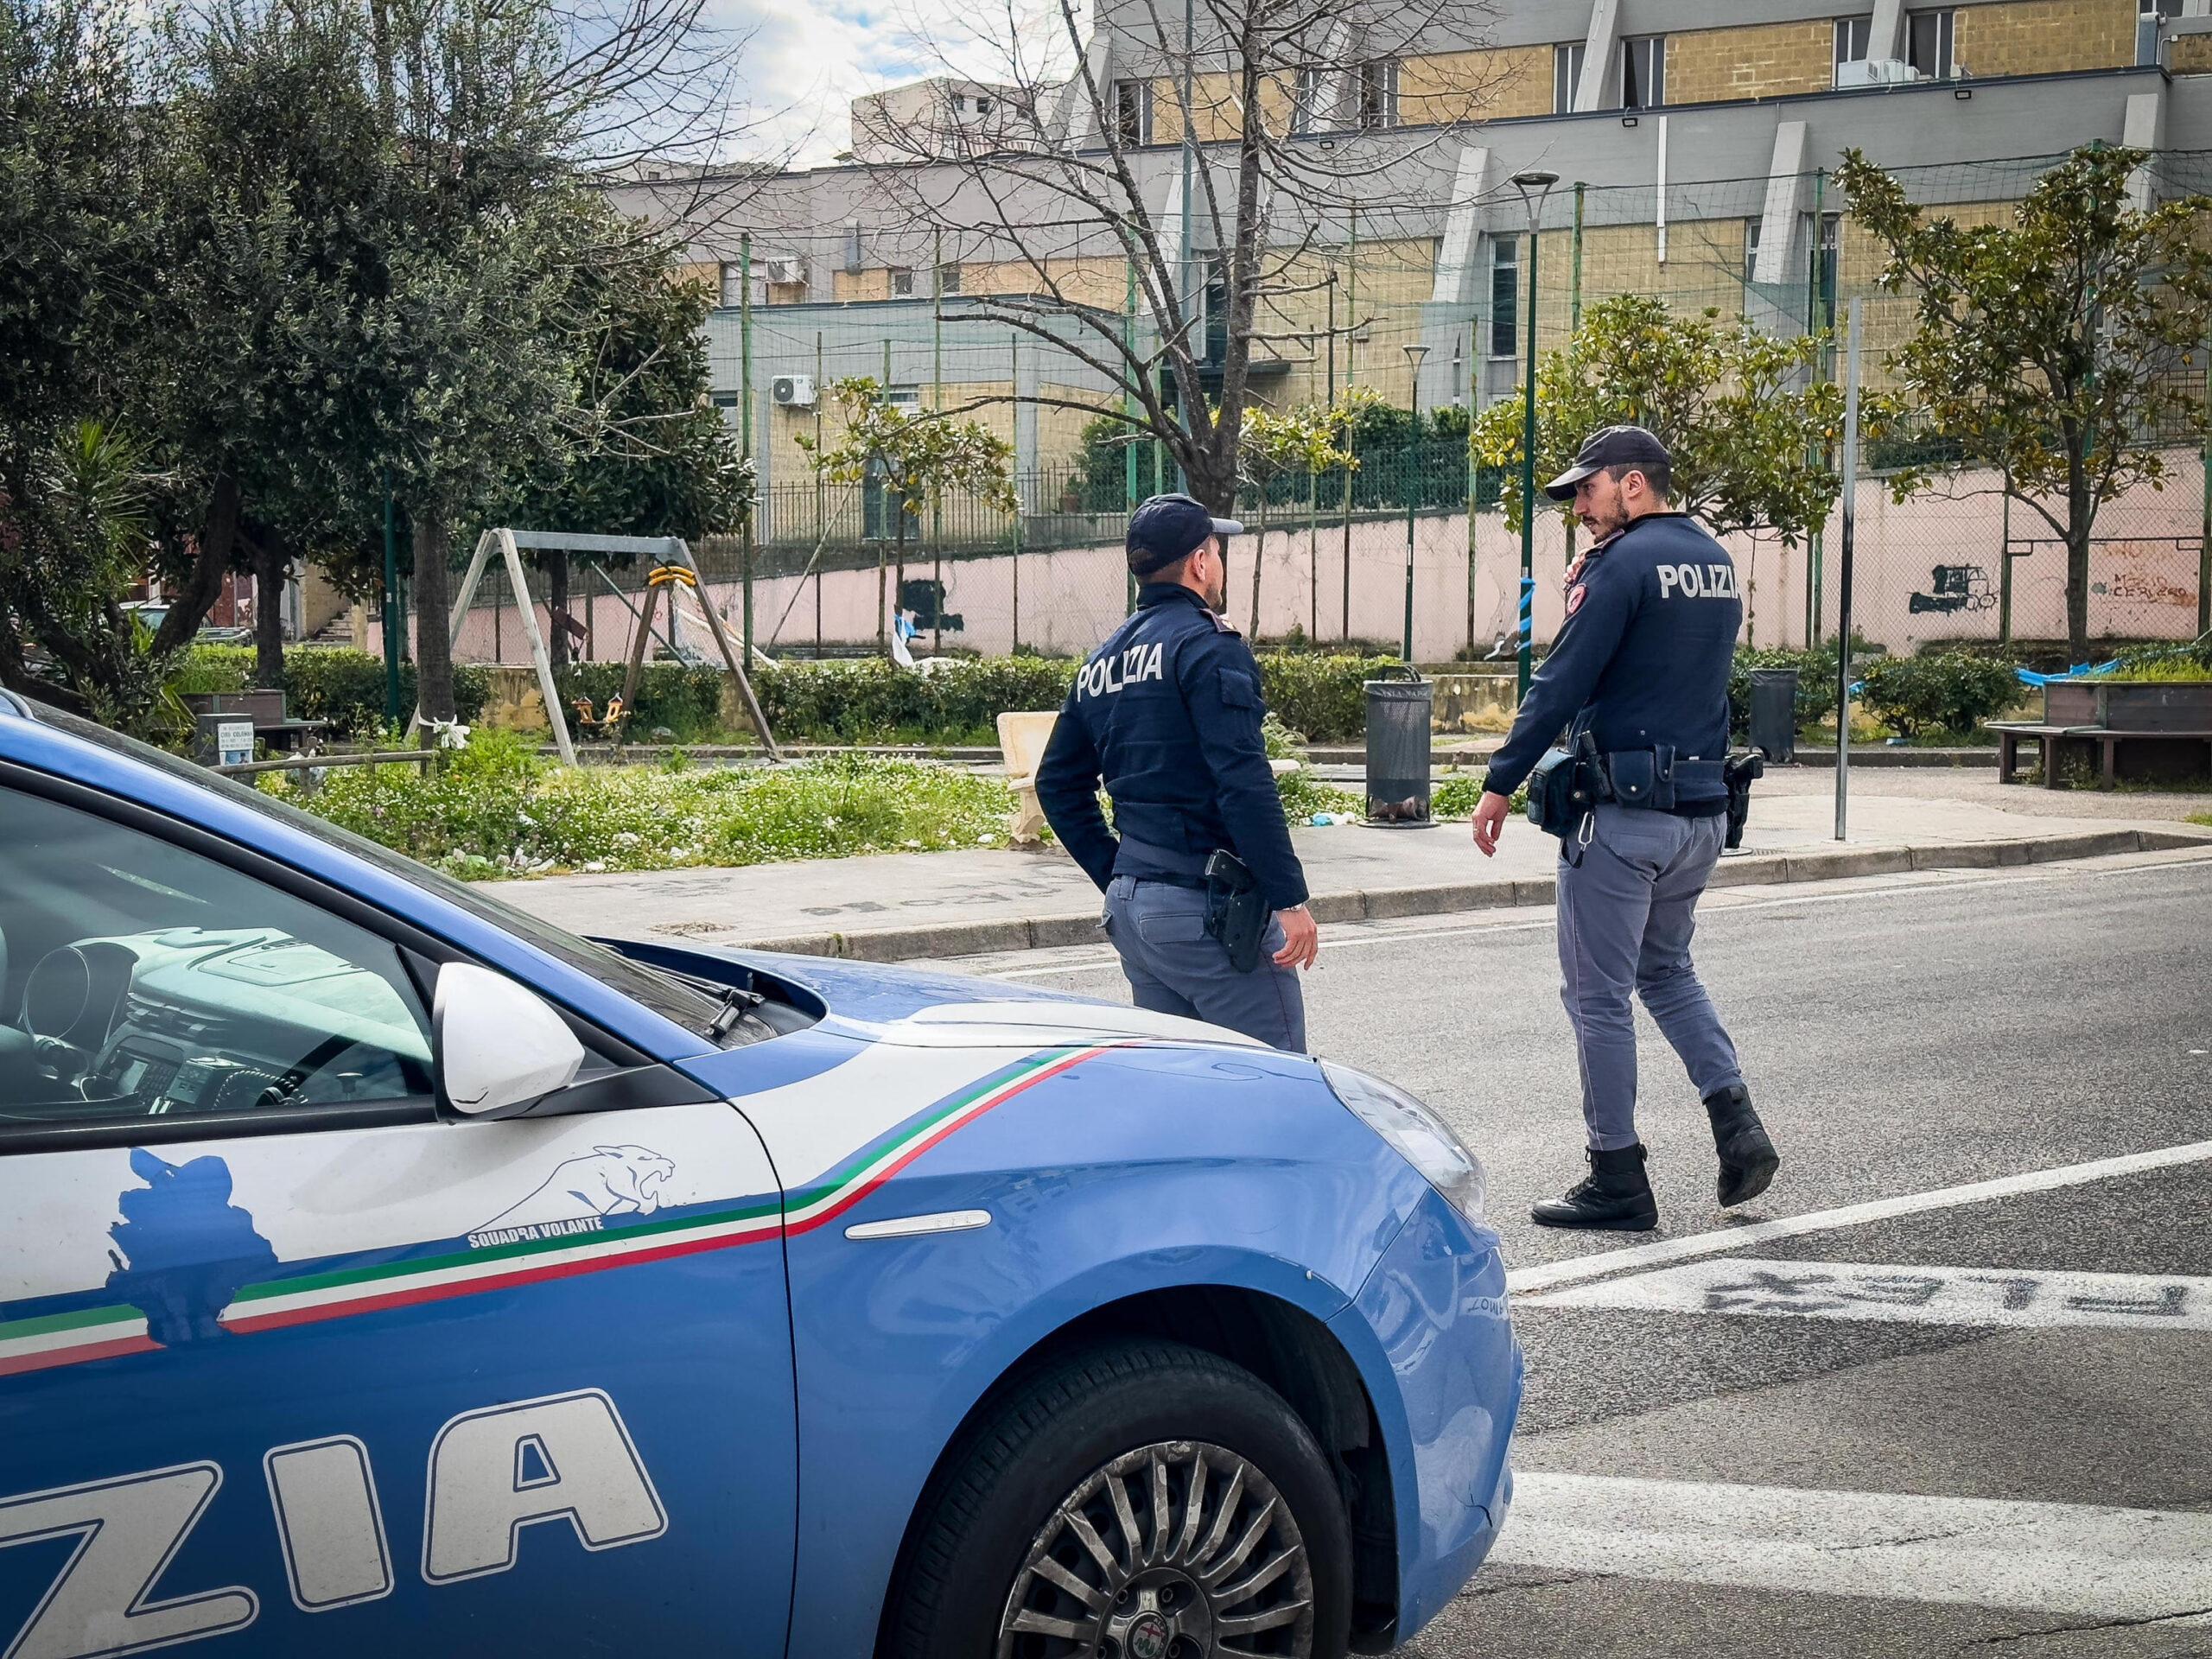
{"x": 1237, "y": 914}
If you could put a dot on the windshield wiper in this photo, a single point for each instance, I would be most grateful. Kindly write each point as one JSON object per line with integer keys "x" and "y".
{"x": 736, "y": 1005}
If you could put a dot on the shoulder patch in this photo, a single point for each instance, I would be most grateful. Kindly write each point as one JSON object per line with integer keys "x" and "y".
{"x": 1574, "y": 596}
{"x": 1222, "y": 623}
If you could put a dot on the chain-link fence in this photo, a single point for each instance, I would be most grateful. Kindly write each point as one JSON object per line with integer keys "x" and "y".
{"x": 1415, "y": 529}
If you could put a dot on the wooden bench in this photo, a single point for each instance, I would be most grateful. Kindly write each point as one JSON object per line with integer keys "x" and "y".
{"x": 2051, "y": 738}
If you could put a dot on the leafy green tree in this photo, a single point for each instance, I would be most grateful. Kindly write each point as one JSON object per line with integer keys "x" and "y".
{"x": 2049, "y": 349}
{"x": 653, "y": 456}
{"x": 1308, "y": 438}
{"x": 913, "y": 457}
{"x": 1733, "y": 404}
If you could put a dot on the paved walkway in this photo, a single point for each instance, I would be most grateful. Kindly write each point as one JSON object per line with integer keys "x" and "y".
{"x": 915, "y": 905}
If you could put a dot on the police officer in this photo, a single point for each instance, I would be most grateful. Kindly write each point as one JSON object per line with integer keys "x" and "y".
{"x": 1167, "y": 711}
{"x": 1641, "y": 663}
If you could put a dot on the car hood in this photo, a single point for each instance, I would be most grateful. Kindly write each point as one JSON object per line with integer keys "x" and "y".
{"x": 921, "y": 1008}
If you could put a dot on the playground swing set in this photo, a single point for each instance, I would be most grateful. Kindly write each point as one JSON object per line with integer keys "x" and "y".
{"x": 675, "y": 571}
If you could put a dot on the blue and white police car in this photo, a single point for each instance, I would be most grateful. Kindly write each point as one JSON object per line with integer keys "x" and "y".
{"x": 382, "y": 1271}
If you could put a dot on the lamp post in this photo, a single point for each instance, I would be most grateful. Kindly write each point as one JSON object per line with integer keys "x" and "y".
{"x": 1413, "y": 355}
{"x": 1534, "y": 187}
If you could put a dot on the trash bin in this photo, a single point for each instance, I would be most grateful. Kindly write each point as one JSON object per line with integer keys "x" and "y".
{"x": 1398, "y": 749}
{"x": 1774, "y": 713}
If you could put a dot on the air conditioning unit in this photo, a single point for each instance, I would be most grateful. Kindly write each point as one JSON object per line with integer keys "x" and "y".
{"x": 793, "y": 390}
{"x": 1875, "y": 71}
{"x": 786, "y": 271}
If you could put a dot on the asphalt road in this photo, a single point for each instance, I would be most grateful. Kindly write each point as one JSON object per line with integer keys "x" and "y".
{"x": 1957, "y": 1425}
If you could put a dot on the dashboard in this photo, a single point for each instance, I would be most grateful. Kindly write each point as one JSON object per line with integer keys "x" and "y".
{"x": 192, "y": 1019}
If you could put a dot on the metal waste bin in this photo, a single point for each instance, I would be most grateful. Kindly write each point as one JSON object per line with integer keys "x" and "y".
{"x": 1774, "y": 713}
{"x": 1398, "y": 749}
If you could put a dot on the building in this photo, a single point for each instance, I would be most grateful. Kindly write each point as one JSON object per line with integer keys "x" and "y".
{"x": 1691, "y": 139}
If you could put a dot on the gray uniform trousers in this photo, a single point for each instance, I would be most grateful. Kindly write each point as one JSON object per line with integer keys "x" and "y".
{"x": 1173, "y": 967}
{"x": 1626, "y": 911}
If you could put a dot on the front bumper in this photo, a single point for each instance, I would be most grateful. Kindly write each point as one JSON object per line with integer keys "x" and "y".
{"x": 1436, "y": 1306}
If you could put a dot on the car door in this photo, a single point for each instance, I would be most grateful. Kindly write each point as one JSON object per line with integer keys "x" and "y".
{"x": 291, "y": 1363}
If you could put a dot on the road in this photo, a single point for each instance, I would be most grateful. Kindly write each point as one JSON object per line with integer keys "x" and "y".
{"x": 1910, "y": 1420}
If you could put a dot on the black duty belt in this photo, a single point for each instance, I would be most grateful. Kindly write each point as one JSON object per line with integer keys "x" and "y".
{"x": 1656, "y": 779}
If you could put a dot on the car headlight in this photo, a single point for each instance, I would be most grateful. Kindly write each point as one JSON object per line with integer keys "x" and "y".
{"x": 1417, "y": 1133}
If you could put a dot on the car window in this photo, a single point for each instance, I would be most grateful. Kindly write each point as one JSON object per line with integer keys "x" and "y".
{"x": 141, "y": 980}
{"x": 673, "y": 999}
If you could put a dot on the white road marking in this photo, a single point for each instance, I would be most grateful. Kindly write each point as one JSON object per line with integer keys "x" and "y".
{"x": 1603, "y": 1262}
{"x": 2070, "y": 1559}
{"x": 1719, "y": 903}
{"x": 2004, "y": 1297}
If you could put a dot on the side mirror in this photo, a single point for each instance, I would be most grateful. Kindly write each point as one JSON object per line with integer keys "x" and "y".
{"x": 498, "y": 1045}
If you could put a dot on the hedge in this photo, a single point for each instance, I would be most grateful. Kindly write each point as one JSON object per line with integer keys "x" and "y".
{"x": 1953, "y": 691}
{"x": 325, "y": 683}
{"x": 1816, "y": 685}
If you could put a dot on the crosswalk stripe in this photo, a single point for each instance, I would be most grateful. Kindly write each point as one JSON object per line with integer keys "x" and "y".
{"x": 2004, "y": 1298}
{"x": 2082, "y": 1560}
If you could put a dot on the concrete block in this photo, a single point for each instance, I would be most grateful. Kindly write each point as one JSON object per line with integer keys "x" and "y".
{"x": 1051, "y": 932}
{"x": 2161, "y": 840}
{"x": 918, "y": 944}
{"x": 1748, "y": 870}
{"x": 2091, "y": 844}
{"x": 1535, "y": 890}
{"x": 1385, "y": 903}
{"x": 1971, "y": 856}
{"x": 1331, "y": 907}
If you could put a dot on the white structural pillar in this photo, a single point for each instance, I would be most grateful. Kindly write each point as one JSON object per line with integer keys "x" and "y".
{"x": 1597, "y": 49}
{"x": 1785, "y": 192}
{"x": 1885, "y": 37}
{"x": 2145, "y": 128}
{"x": 1075, "y": 123}
{"x": 1455, "y": 260}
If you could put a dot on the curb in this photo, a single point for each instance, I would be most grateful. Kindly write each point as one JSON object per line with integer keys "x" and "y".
{"x": 1394, "y": 904}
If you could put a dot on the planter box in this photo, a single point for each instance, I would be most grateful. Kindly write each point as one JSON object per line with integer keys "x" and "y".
{"x": 264, "y": 707}
{"x": 2119, "y": 705}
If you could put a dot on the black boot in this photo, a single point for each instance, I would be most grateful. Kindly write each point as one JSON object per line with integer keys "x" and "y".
{"x": 1748, "y": 1159}
{"x": 1616, "y": 1196}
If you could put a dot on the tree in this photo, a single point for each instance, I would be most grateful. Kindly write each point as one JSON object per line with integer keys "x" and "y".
{"x": 1070, "y": 197}
{"x": 653, "y": 456}
{"x": 1309, "y": 438}
{"x": 2051, "y": 349}
{"x": 1742, "y": 423}
{"x": 911, "y": 458}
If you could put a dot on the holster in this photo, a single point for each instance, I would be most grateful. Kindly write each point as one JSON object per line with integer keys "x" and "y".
{"x": 1565, "y": 785}
{"x": 1237, "y": 914}
{"x": 1741, "y": 770}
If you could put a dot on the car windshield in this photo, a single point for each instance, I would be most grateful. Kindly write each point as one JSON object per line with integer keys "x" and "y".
{"x": 670, "y": 997}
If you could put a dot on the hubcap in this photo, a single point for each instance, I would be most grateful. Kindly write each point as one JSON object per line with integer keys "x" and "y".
{"x": 1178, "y": 1550}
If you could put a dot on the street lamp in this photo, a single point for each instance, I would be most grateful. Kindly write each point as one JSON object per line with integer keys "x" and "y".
{"x": 1534, "y": 187}
{"x": 1413, "y": 355}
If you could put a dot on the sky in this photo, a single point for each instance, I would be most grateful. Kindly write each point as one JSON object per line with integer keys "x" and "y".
{"x": 809, "y": 59}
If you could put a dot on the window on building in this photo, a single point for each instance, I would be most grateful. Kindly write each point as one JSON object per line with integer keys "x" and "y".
{"x": 1831, "y": 240}
{"x": 732, "y": 274}
{"x": 1643, "y": 72}
{"x": 1751, "y": 251}
{"x": 982, "y": 106}
{"x": 1133, "y": 112}
{"x": 959, "y": 103}
{"x": 1928, "y": 42}
{"x": 1308, "y": 104}
{"x": 2149, "y": 14}
{"x": 902, "y": 281}
{"x": 1504, "y": 296}
{"x": 948, "y": 277}
{"x": 1567, "y": 75}
{"x": 1217, "y": 308}
{"x": 1378, "y": 93}
{"x": 1852, "y": 37}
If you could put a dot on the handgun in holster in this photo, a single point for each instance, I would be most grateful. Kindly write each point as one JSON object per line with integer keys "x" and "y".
{"x": 1739, "y": 771}
{"x": 1237, "y": 914}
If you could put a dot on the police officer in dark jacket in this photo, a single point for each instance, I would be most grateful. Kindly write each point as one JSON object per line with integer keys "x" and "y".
{"x": 1642, "y": 664}
{"x": 1168, "y": 712}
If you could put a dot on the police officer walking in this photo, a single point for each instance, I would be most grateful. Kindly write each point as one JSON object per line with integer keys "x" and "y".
{"x": 1641, "y": 665}
{"x": 1168, "y": 712}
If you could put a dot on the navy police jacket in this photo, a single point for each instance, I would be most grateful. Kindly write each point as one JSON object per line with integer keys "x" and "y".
{"x": 1167, "y": 711}
{"x": 1652, "y": 615}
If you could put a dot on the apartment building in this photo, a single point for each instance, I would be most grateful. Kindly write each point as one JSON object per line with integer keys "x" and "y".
{"x": 1691, "y": 139}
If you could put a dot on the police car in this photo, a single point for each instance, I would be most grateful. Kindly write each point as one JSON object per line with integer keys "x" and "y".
{"x": 386, "y": 1272}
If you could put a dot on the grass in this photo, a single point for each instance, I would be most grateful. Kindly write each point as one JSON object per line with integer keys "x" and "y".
{"x": 498, "y": 810}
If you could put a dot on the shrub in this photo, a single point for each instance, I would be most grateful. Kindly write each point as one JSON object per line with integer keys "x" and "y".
{"x": 326, "y": 682}
{"x": 1322, "y": 696}
{"x": 1949, "y": 692}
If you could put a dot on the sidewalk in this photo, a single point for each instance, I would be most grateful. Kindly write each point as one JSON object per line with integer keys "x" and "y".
{"x": 902, "y": 906}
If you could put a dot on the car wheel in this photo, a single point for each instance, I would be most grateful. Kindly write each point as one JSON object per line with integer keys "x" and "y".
{"x": 1138, "y": 1500}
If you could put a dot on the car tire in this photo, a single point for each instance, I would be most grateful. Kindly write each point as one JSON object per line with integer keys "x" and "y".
{"x": 994, "y": 1565}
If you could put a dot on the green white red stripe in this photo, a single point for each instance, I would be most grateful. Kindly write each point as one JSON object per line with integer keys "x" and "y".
{"x": 83, "y": 1334}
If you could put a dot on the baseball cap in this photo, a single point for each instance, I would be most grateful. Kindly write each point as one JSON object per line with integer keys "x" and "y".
{"x": 1170, "y": 527}
{"x": 1609, "y": 446}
